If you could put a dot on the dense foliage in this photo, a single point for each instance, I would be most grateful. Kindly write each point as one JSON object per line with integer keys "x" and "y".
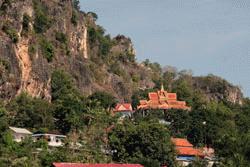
{"x": 146, "y": 142}
{"x": 104, "y": 138}
{"x": 47, "y": 49}
{"x": 11, "y": 32}
{"x": 94, "y": 135}
{"x": 42, "y": 20}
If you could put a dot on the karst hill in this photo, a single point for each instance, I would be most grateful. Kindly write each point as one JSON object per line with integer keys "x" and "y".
{"x": 38, "y": 37}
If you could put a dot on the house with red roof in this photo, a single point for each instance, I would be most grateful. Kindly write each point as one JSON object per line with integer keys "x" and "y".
{"x": 186, "y": 152}
{"x": 162, "y": 100}
{"x": 94, "y": 165}
{"x": 125, "y": 109}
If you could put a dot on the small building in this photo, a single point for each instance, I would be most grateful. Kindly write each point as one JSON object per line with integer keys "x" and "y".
{"x": 19, "y": 134}
{"x": 94, "y": 165}
{"x": 162, "y": 100}
{"x": 125, "y": 109}
{"x": 54, "y": 140}
{"x": 186, "y": 153}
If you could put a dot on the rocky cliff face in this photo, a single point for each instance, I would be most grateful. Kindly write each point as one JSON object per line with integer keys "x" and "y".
{"x": 55, "y": 36}
{"x": 40, "y": 36}
{"x": 216, "y": 88}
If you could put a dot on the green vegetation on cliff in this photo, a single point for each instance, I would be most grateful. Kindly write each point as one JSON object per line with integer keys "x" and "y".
{"x": 74, "y": 80}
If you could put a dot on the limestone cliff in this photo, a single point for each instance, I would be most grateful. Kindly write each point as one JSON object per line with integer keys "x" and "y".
{"x": 40, "y": 36}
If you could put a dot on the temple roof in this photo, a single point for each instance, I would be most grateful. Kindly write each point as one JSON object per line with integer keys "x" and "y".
{"x": 162, "y": 100}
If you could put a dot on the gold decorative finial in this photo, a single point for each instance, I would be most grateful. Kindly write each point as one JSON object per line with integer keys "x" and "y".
{"x": 162, "y": 87}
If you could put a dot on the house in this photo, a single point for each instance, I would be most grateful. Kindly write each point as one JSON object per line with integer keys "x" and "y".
{"x": 125, "y": 109}
{"x": 19, "y": 133}
{"x": 162, "y": 100}
{"x": 186, "y": 152}
{"x": 94, "y": 165}
{"x": 54, "y": 140}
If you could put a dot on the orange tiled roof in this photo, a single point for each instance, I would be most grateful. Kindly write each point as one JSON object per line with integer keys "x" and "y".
{"x": 153, "y": 96}
{"x": 189, "y": 151}
{"x": 123, "y": 107}
{"x": 162, "y": 100}
{"x": 184, "y": 147}
{"x": 181, "y": 142}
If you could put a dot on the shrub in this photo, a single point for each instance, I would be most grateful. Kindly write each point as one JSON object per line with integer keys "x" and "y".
{"x": 127, "y": 57}
{"x": 42, "y": 20}
{"x": 11, "y": 32}
{"x": 105, "y": 45}
{"x": 76, "y": 4}
{"x": 105, "y": 100}
{"x": 92, "y": 35}
{"x": 97, "y": 35}
{"x": 74, "y": 18}
{"x": 61, "y": 37}
{"x": 32, "y": 49}
{"x": 94, "y": 15}
{"x": 5, "y": 64}
{"x": 47, "y": 49}
{"x": 26, "y": 22}
{"x": 116, "y": 69}
{"x": 5, "y": 5}
{"x": 135, "y": 78}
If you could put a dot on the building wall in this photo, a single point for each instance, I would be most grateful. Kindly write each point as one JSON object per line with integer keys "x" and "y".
{"x": 19, "y": 137}
{"x": 51, "y": 139}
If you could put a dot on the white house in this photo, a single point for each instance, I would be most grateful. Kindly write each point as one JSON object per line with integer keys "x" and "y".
{"x": 19, "y": 133}
{"x": 53, "y": 140}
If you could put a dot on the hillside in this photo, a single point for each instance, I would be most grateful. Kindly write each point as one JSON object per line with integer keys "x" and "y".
{"x": 62, "y": 76}
{"x": 39, "y": 37}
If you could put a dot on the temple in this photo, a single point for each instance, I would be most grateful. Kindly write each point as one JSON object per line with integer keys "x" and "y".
{"x": 162, "y": 100}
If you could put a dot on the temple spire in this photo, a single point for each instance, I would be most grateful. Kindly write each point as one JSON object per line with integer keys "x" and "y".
{"x": 162, "y": 87}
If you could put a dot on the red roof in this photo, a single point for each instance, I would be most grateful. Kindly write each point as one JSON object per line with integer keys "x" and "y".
{"x": 190, "y": 151}
{"x": 123, "y": 107}
{"x": 181, "y": 142}
{"x": 153, "y": 96}
{"x": 156, "y": 99}
{"x": 184, "y": 147}
{"x": 94, "y": 165}
{"x": 68, "y": 165}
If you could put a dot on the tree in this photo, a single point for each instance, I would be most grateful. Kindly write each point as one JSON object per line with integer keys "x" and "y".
{"x": 94, "y": 15}
{"x": 69, "y": 105}
{"x": 25, "y": 24}
{"x": 103, "y": 99}
{"x": 184, "y": 90}
{"x": 3, "y": 123}
{"x": 139, "y": 95}
{"x": 145, "y": 142}
{"x": 180, "y": 122}
{"x": 42, "y": 20}
{"x": 31, "y": 112}
{"x": 76, "y": 4}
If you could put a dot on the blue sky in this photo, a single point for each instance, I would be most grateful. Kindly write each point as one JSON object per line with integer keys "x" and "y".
{"x": 206, "y": 36}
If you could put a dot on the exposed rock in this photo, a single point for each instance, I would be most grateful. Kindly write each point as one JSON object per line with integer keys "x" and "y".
{"x": 25, "y": 67}
{"x": 216, "y": 88}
